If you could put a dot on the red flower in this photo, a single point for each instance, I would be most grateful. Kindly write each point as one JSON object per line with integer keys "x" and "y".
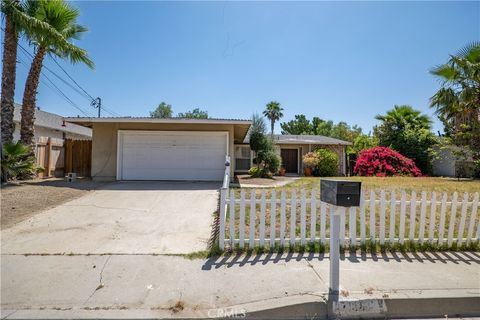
{"x": 381, "y": 162}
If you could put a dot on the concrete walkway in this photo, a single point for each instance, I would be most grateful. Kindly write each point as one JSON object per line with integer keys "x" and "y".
{"x": 263, "y": 286}
{"x": 145, "y": 217}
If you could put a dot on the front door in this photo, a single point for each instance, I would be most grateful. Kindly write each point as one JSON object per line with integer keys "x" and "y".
{"x": 290, "y": 160}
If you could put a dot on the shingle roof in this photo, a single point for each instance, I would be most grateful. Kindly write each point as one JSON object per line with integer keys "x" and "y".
{"x": 53, "y": 121}
{"x": 308, "y": 139}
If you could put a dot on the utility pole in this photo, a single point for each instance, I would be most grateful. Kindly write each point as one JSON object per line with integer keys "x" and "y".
{"x": 97, "y": 103}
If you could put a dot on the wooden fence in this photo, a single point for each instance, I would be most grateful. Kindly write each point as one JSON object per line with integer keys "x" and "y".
{"x": 268, "y": 220}
{"x": 59, "y": 156}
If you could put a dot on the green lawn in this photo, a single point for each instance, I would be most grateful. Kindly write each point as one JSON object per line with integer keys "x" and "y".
{"x": 397, "y": 184}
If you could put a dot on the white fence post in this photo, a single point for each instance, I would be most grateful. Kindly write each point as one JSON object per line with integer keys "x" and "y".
{"x": 232, "y": 219}
{"x": 222, "y": 212}
{"x": 273, "y": 215}
{"x": 313, "y": 215}
{"x": 463, "y": 217}
{"x": 362, "y": 219}
{"x": 282, "y": 218}
{"x": 423, "y": 213}
{"x": 242, "y": 219}
{"x": 372, "y": 216}
{"x": 413, "y": 215}
{"x": 323, "y": 222}
{"x": 342, "y": 226}
{"x": 352, "y": 224}
{"x": 393, "y": 208}
{"x": 403, "y": 212}
{"x": 433, "y": 213}
{"x": 441, "y": 226}
{"x": 453, "y": 216}
{"x": 263, "y": 205}
{"x": 253, "y": 213}
{"x": 303, "y": 217}
{"x": 473, "y": 218}
{"x": 293, "y": 218}
{"x": 383, "y": 204}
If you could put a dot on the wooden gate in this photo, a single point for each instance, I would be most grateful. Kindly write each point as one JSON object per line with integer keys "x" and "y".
{"x": 78, "y": 157}
{"x": 50, "y": 156}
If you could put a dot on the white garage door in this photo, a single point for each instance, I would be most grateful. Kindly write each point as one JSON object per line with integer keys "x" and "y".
{"x": 167, "y": 155}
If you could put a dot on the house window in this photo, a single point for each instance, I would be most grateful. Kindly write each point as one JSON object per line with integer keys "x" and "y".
{"x": 242, "y": 158}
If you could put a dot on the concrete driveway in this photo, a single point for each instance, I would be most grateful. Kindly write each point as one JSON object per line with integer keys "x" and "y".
{"x": 122, "y": 218}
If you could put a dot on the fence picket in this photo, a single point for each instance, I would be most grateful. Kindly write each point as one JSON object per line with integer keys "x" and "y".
{"x": 393, "y": 205}
{"x": 253, "y": 212}
{"x": 323, "y": 222}
{"x": 293, "y": 217}
{"x": 263, "y": 205}
{"x": 441, "y": 223}
{"x": 313, "y": 216}
{"x": 382, "y": 217}
{"x": 473, "y": 218}
{"x": 372, "y": 216}
{"x": 242, "y": 219}
{"x": 342, "y": 226}
{"x": 423, "y": 213}
{"x": 413, "y": 214}
{"x": 352, "y": 224}
{"x": 273, "y": 215}
{"x": 362, "y": 218}
{"x": 453, "y": 216}
{"x": 303, "y": 218}
{"x": 282, "y": 218}
{"x": 463, "y": 218}
{"x": 222, "y": 212}
{"x": 403, "y": 211}
{"x": 433, "y": 213}
{"x": 232, "y": 218}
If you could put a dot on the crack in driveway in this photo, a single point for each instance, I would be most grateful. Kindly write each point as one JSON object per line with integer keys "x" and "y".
{"x": 100, "y": 280}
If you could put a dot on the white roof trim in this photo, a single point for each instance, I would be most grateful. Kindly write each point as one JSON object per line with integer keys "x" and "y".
{"x": 156, "y": 120}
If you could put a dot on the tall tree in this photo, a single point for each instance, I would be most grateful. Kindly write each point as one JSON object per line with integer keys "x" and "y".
{"x": 62, "y": 17}
{"x": 300, "y": 125}
{"x": 163, "y": 110}
{"x": 457, "y": 102}
{"x": 273, "y": 112}
{"x": 194, "y": 114}
{"x": 16, "y": 21}
{"x": 407, "y": 131}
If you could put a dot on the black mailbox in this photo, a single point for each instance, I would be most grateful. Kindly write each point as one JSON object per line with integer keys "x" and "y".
{"x": 340, "y": 193}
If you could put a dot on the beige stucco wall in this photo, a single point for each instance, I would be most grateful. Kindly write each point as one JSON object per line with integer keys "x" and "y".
{"x": 104, "y": 143}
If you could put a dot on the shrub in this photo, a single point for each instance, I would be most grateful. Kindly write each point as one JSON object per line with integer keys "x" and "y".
{"x": 17, "y": 162}
{"x": 311, "y": 160}
{"x": 256, "y": 172}
{"x": 327, "y": 163}
{"x": 382, "y": 162}
{"x": 271, "y": 161}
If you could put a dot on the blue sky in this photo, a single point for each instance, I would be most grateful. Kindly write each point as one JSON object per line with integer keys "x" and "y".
{"x": 341, "y": 61}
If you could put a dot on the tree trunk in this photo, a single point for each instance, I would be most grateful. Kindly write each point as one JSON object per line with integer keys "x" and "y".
{"x": 8, "y": 80}
{"x": 29, "y": 97}
{"x": 272, "y": 124}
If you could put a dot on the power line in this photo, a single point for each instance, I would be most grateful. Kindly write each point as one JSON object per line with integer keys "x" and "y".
{"x": 83, "y": 92}
{"x": 58, "y": 90}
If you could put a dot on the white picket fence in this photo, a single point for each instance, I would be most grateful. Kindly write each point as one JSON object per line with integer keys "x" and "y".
{"x": 303, "y": 218}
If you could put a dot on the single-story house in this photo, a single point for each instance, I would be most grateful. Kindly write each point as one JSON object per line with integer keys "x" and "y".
{"x": 452, "y": 161}
{"x": 143, "y": 148}
{"x": 52, "y": 126}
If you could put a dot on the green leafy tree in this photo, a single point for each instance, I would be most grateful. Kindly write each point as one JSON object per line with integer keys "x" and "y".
{"x": 257, "y": 137}
{"x": 457, "y": 102}
{"x": 273, "y": 112}
{"x": 327, "y": 163}
{"x": 407, "y": 131}
{"x": 364, "y": 142}
{"x": 16, "y": 22}
{"x": 194, "y": 114}
{"x": 163, "y": 110}
{"x": 62, "y": 17}
{"x": 301, "y": 125}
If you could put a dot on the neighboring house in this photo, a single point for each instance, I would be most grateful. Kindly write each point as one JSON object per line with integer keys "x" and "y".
{"x": 449, "y": 163}
{"x": 129, "y": 148}
{"x": 291, "y": 149}
{"x": 52, "y": 126}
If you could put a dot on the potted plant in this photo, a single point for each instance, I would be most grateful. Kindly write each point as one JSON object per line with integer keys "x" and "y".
{"x": 281, "y": 172}
{"x": 310, "y": 161}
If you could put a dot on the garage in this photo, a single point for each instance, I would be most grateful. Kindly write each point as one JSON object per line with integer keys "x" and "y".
{"x": 171, "y": 155}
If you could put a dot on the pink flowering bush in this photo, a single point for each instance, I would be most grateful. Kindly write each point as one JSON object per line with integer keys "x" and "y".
{"x": 385, "y": 162}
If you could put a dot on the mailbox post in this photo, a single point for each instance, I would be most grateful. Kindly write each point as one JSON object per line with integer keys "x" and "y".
{"x": 339, "y": 194}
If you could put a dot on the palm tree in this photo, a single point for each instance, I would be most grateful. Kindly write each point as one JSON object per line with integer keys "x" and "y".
{"x": 62, "y": 17}
{"x": 273, "y": 112}
{"x": 457, "y": 102}
{"x": 16, "y": 20}
{"x": 402, "y": 116}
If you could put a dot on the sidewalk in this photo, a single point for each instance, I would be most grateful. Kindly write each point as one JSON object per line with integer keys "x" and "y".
{"x": 261, "y": 286}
